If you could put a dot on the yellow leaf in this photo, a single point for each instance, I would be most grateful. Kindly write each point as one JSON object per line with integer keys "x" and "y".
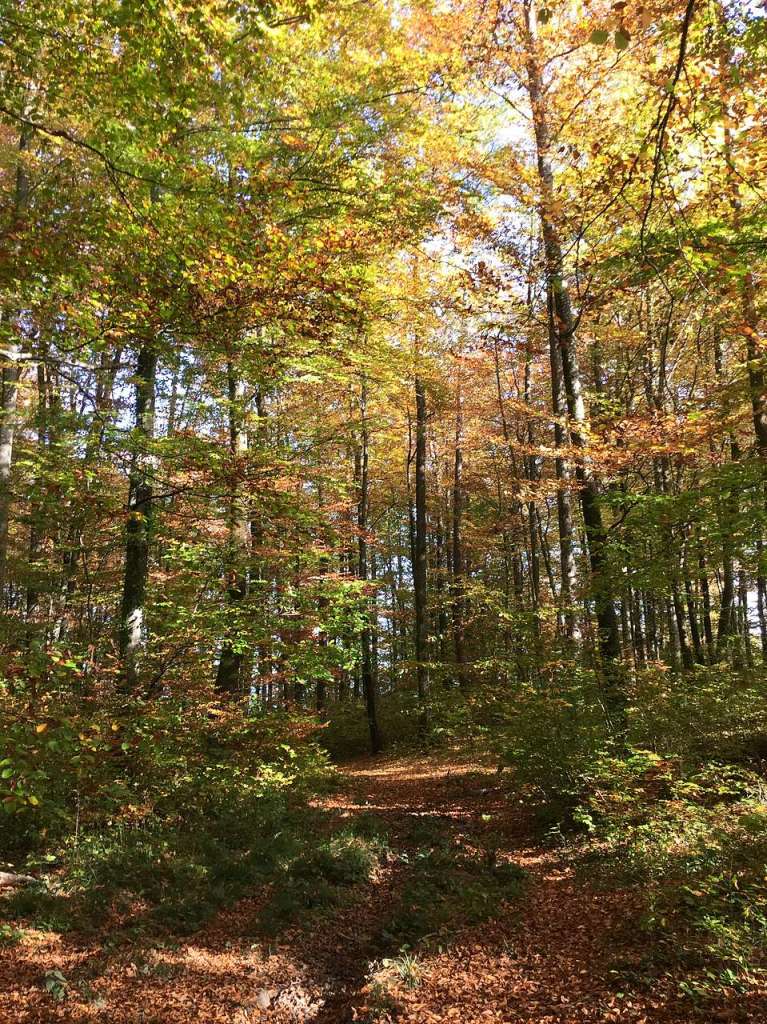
{"x": 41, "y": 727}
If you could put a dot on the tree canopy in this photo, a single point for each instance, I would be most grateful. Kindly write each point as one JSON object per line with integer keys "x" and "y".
{"x": 378, "y": 374}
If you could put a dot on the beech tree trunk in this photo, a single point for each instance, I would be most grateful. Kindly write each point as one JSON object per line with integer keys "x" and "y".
{"x": 420, "y": 545}
{"x": 140, "y": 515}
{"x": 459, "y": 599}
{"x": 10, "y": 353}
{"x": 564, "y": 329}
{"x": 563, "y": 472}
{"x": 229, "y": 673}
{"x": 369, "y": 689}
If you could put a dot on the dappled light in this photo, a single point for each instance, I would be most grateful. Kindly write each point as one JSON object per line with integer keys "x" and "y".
{"x": 383, "y": 512}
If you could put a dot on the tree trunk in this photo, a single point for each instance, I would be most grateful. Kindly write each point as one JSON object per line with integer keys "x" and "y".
{"x": 140, "y": 515}
{"x": 229, "y": 674}
{"x": 459, "y": 599}
{"x": 419, "y": 545}
{"x": 367, "y": 673}
{"x": 11, "y": 372}
{"x": 564, "y": 327}
{"x": 563, "y": 474}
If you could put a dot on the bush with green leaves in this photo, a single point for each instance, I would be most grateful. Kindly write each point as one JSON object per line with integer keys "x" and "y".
{"x": 179, "y": 805}
{"x": 707, "y": 710}
{"x": 549, "y": 738}
{"x": 679, "y": 806}
{"x": 70, "y": 767}
{"x": 695, "y": 841}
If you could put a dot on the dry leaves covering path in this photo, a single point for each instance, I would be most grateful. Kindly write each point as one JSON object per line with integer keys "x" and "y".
{"x": 551, "y": 950}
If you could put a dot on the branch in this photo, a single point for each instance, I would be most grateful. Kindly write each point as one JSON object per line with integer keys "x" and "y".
{"x": 665, "y": 116}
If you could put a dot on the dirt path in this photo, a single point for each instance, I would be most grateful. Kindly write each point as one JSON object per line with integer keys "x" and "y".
{"x": 544, "y": 949}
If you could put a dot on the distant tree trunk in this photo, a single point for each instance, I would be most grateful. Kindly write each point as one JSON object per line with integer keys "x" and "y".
{"x": 755, "y": 367}
{"x": 727, "y": 627}
{"x": 10, "y": 353}
{"x": 684, "y": 648}
{"x": 637, "y": 631}
{"x": 761, "y": 598}
{"x": 321, "y": 687}
{"x": 692, "y": 618}
{"x": 10, "y": 382}
{"x": 36, "y": 510}
{"x": 367, "y": 667}
{"x": 563, "y": 474}
{"x": 140, "y": 516}
{"x": 402, "y": 610}
{"x": 705, "y": 592}
{"x": 459, "y": 598}
{"x": 745, "y": 628}
{"x": 531, "y": 468}
{"x": 229, "y": 673}
{"x": 420, "y": 545}
{"x": 675, "y": 648}
{"x": 440, "y": 584}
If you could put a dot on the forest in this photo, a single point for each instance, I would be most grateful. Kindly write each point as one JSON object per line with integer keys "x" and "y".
{"x": 383, "y": 511}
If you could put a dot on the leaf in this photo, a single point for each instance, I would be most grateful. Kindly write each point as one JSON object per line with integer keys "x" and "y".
{"x": 599, "y": 36}
{"x": 544, "y": 16}
{"x": 41, "y": 727}
{"x": 622, "y": 39}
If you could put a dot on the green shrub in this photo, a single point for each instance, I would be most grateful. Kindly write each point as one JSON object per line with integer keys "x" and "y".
{"x": 709, "y": 711}
{"x": 695, "y": 841}
{"x": 182, "y": 805}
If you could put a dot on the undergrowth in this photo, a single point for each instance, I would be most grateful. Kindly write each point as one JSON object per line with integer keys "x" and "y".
{"x": 677, "y": 809}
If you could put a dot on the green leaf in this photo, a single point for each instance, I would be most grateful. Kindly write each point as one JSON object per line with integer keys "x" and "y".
{"x": 599, "y": 36}
{"x": 622, "y": 39}
{"x": 544, "y": 16}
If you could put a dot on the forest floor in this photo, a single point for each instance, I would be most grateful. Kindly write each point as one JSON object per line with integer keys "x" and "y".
{"x": 446, "y": 928}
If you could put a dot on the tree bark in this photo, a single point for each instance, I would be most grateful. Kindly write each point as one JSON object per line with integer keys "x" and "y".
{"x": 459, "y": 599}
{"x": 140, "y": 516}
{"x": 11, "y": 355}
{"x": 564, "y": 329}
{"x": 229, "y": 673}
{"x": 420, "y": 545}
{"x": 367, "y": 668}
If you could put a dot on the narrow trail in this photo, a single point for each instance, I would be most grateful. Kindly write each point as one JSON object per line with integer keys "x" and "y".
{"x": 550, "y": 949}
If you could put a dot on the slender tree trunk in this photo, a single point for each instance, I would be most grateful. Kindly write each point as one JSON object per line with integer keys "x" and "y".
{"x": 745, "y": 628}
{"x": 420, "y": 545}
{"x": 36, "y": 504}
{"x": 564, "y": 327}
{"x": 531, "y": 468}
{"x": 750, "y": 329}
{"x": 512, "y": 547}
{"x": 367, "y": 667}
{"x": 692, "y": 618}
{"x": 232, "y": 659}
{"x": 636, "y": 628}
{"x": 10, "y": 353}
{"x": 440, "y": 593}
{"x": 140, "y": 516}
{"x": 459, "y": 599}
{"x": 705, "y": 592}
{"x": 761, "y": 598}
{"x": 678, "y": 608}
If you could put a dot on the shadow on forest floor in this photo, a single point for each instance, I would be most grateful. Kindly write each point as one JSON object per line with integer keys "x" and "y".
{"x": 413, "y": 894}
